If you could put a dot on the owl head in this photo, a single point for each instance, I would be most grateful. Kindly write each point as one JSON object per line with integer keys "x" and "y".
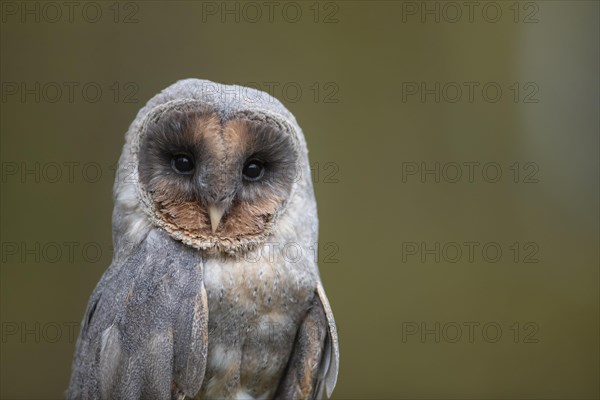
{"x": 215, "y": 166}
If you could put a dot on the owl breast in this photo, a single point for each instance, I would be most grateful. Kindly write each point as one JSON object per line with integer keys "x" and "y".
{"x": 256, "y": 305}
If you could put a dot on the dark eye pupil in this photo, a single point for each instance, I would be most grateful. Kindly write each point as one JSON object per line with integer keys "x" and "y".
{"x": 182, "y": 164}
{"x": 253, "y": 170}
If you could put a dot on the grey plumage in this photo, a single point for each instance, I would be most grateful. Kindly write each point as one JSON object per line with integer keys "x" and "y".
{"x": 185, "y": 312}
{"x": 143, "y": 319}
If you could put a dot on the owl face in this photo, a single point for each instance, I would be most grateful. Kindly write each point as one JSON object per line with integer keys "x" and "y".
{"x": 212, "y": 181}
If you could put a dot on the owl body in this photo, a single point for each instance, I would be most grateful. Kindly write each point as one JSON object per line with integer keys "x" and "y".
{"x": 214, "y": 289}
{"x": 257, "y": 312}
{"x": 259, "y": 302}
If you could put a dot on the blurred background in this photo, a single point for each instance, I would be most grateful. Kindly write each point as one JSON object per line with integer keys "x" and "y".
{"x": 454, "y": 148}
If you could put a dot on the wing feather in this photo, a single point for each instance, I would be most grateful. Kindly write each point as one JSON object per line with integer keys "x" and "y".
{"x": 144, "y": 333}
{"x": 332, "y": 349}
{"x": 313, "y": 364}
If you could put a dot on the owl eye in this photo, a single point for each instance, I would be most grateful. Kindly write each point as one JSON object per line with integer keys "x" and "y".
{"x": 182, "y": 164}
{"x": 253, "y": 170}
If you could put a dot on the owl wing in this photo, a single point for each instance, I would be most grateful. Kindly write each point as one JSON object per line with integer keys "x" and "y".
{"x": 331, "y": 363}
{"x": 313, "y": 365}
{"x": 144, "y": 333}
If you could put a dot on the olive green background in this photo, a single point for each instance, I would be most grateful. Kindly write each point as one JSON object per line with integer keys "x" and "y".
{"x": 350, "y": 66}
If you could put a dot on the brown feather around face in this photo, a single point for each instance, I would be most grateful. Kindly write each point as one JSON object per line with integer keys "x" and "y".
{"x": 219, "y": 150}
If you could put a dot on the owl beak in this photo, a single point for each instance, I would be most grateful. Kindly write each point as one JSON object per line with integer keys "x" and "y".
{"x": 215, "y": 213}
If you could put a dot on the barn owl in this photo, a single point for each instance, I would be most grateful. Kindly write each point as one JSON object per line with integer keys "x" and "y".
{"x": 200, "y": 301}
